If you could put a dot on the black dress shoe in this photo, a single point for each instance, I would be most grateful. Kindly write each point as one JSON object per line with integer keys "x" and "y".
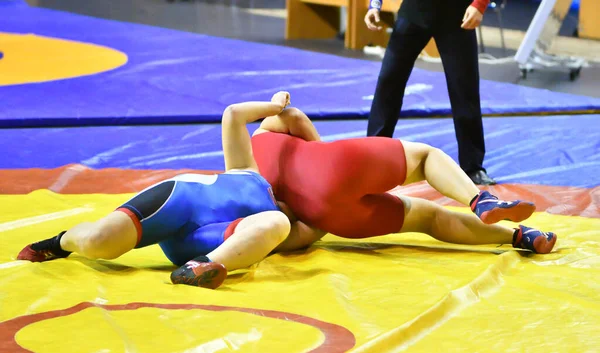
{"x": 480, "y": 177}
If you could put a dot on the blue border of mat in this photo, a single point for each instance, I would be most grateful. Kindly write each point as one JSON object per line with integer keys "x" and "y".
{"x": 180, "y": 77}
{"x": 553, "y": 150}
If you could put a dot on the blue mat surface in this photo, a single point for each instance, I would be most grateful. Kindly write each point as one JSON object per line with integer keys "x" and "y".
{"x": 553, "y": 150}
{"x": 179, "y": 77}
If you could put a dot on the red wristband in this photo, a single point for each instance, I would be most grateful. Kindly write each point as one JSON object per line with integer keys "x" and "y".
{"x": 480, "y": 5}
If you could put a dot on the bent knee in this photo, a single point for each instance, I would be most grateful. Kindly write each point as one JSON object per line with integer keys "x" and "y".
{"x": 273, "y": 226}
{"x": 276, "y": 226}
{"x": 99, "y": 243}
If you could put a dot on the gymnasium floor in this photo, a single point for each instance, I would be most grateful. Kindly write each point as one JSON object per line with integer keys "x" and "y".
{"x": 119, "y": 106}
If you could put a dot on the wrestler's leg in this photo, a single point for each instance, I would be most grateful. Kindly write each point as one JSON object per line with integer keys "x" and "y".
{"x": 374, "y": 164}
{"x": 301, "y": 236}
{"x": 253, "y": 239}
{"x": 121, "y": 230}
{"x": 427, "y": 217}
{"x": 149, "y": 217}
{"x": 424, "y": 162}
{"x": 107, "y": 238}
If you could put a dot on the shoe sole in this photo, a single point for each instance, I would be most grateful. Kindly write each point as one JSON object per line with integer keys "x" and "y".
{"x": 28, "y": 254}
{"x": 209, "y": 275}
{"x": 518, "y": 213}
{"x": 542, "y": 245}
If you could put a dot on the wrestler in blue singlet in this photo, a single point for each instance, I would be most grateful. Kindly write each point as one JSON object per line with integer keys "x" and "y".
{"x": 192, "y": 214}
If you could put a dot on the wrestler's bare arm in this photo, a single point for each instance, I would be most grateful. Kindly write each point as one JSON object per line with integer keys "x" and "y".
{"x": 290, "y": 121}
{"x": 237, "y": 147}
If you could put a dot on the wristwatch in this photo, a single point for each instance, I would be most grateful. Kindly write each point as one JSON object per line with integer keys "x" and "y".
{"x": 375, "y": 4}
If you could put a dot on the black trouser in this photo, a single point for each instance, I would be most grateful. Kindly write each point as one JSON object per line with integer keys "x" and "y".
{"x": 458, "y": 50}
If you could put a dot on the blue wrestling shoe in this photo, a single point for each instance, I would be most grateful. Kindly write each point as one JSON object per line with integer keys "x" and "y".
{"x": 491, "y": 210}
{"x": 532, "y": 239}
{"x": 200, "y": 272}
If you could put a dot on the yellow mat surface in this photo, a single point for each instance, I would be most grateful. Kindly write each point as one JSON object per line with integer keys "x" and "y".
{"x": 30, "y": 58}
{"x": 388, "y": 294}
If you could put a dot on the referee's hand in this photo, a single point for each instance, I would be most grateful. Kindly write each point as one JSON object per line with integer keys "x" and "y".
{"x": 472, "y": 18}
{"x": 371, "y": 19}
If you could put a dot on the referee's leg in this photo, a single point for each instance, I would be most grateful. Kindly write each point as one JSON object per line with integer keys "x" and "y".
{"x": 458, "y": 50}
{"x": 405, "y": 44}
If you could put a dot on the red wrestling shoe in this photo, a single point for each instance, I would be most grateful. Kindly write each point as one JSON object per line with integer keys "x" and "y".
{"x": 200, "y": 272}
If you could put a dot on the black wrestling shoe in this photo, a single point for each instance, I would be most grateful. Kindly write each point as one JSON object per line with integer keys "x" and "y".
{"x": 480, "y": 177}
{"x": 44, "y": 250}
{"x": 200, "y": 272}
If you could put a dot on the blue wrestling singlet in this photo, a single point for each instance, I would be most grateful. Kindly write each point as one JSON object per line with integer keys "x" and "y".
{"x": 187, "y": 215}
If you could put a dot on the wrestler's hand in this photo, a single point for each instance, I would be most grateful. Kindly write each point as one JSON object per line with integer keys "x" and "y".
{"x": 282, "y": 98}
{"x": 472, "y": 18}
{"x": 371, "y": 18}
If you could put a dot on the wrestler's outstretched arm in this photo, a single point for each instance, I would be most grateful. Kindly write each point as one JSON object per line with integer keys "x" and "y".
{"x": 237, "y": 146}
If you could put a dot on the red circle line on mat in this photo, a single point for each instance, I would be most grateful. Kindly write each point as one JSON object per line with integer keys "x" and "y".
{"x": 338, "y": 339}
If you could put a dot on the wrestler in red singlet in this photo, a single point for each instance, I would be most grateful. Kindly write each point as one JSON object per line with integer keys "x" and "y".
{"x": 339, "y": 187}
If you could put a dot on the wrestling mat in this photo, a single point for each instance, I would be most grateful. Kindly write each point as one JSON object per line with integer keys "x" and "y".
{"x": 383, "y": 295}
{"x": 388, "y": 294}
